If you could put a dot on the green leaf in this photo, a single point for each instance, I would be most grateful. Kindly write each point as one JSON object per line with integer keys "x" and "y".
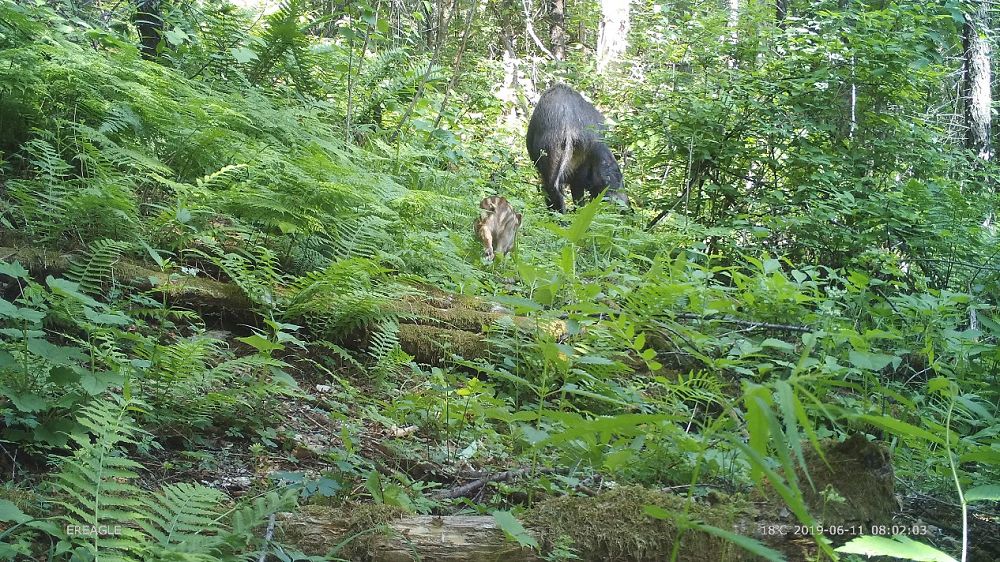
{"x": 657, "y": 512}
{"x": 986, "y": 492}
{"x": 176, "y": 36}
{"x": 96, "y": 383}
{"x": 898, "y": 546}
{"x": 70, "y": 289}
{"x": 103, "y": 319}
{"x": 870, "y": 361}
{"x": 58, "y": 354}
{"x": 519, "y": 304}
{"x": 514, "y": 529}
{"x": 622, "y": 424}
{"x": 532, "y": 435}
{"x": 901, "y": 428}
{"x": 8, "y": 361}
{"x": 7, "y": 309}
{"x": 160, "y": 262}
{"x": 63, "y": 375}
{"x": 10, "y": 512}
{"x": 261, "y": 344}
{"x": 582, "y": 221}
{"x": 757, "y": 426}
{"x": 242, "y": 54}
{"x": 981, "y": 454}
{"x": 15, "y": 270}
{"x": 26, "y": 401}
{"x": 777, "y": 344}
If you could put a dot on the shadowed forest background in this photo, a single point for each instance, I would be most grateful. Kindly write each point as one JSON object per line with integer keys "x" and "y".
{"x": 245, "y": 316}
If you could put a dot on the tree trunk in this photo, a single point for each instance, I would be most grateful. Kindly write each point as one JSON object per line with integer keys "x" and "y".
{"x": 734, "y": 15}
{"x": 976, "y": 81}
{"x": 850, "y": 91}
{"x": 780, "y": 12}
{"x": 612, "y": 37}
{"x": 508, "y": 91}
{"x": 978, "y": 99}
{"x": 149, "y": 26}
{"x": 456, "y": 69}
{"x": 557, "y": 31}
{"x": 419, "y": 537}
{"x": 733, "y": 22}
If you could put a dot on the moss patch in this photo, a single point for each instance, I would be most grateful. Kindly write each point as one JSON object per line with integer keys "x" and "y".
{"x": 355, "y": 530}
{"x": 433, "y": 346}
{"x": 613, "y": 526}
{"x": 861, "y": 472}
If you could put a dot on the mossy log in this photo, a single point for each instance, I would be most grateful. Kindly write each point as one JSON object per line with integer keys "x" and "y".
{"x": 435, "y": 326}
{"x": 614, "y": 525}
{"x": 196, "y": 292}
{"x": 420, "y": 537}
{"x": 607, "y": 528}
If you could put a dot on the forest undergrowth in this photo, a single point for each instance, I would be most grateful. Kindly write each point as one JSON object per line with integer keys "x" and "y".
{"x": 241, "y": 278}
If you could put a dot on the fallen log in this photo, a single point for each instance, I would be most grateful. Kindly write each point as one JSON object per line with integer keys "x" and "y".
{"x": 453, "y": 538}
{"x": 609, "y": 527}
{"x": 199, "y": 293}
{"x": 433, "y": 325}
{"x": 615, "y": 524}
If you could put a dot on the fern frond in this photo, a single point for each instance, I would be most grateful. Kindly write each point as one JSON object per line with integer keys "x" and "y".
{"x": 96, "y": 483}
{"x": 285, "y": 41}
{"x": 348, "y": 294}
{"x": 384, "y": 349}
{"x": 121, "y": 118}
{"x": 184, "y": 518}
{"x": 95, "y": 270}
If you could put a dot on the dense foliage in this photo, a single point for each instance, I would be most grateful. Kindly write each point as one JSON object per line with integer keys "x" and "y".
{"x": 811, "y": 254}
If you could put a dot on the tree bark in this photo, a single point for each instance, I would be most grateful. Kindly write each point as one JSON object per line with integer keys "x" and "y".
{"x": 612, "y": 37}
{"x": 850, "y": 91}
{"x": 557, "y": 31}
{"x": 976, "y": 81}
{"x": 734, "y": 15}
{"x": 453, "y": 538}
{"x": 149, "y": 26}
{"x": 780, "y": 12}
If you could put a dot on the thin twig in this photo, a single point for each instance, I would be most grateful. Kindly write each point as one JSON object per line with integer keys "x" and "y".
{"x": 531, "y": 30}
{"x": 423, "y": 82}
{"x": 268, "y": 535}
{"x": 457, "y": 68}
{"x": 476, "y": 485}
{"x": 748, "y": 323}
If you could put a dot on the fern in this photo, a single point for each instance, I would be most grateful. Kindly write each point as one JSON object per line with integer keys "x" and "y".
{"x": 394, "y": 76}
{"x": 285, "y": 43}
{"x": 362, "y": 236}
{"x": 256, "y": 276}
{"x": 184, "y": 518}
{"x": 383, "y": 347}
{"x": 194, "y": 383}
{"x": 179, "y": 522}
{"x": 120, "y": 119}
{"x": 339, "y": 351}
{"x": 349, "y": 294}
{"x": 96, "y": 482}
{"x": 95, "y": 271}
